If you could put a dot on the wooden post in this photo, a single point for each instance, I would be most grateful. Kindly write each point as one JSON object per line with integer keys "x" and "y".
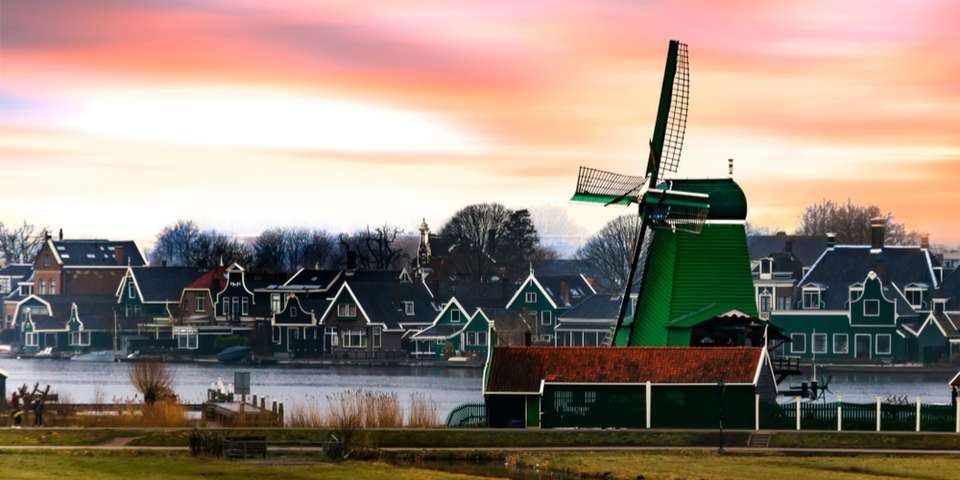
{"x": 273, "y": 407}
{"x": 957, "y": 414}
{"x": 840, "y": 413}
{"x": 918, "y": 414}
{"x": 263, "y": 403}
{"x": 878, "y": 414}
{"x": 649, "y": 401}
{"x": 798, "y": 413}
{"x": 756, "y": 411}
{"x": 280, "y": 414}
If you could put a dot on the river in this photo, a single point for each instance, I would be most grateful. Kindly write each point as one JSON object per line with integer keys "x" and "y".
{"x": 449, "y": 387}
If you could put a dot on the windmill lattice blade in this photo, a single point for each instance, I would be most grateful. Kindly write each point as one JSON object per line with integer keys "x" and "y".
{"x": 595, "y": 185}
{"x": 677, "y": 121}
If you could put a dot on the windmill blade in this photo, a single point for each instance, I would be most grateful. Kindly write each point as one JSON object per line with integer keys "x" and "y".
{"x": 671, "y": 124}
{"x": 600, "y": 186}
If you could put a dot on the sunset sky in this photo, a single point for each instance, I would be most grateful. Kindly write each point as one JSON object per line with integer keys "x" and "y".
{"x": 120, "y": 116}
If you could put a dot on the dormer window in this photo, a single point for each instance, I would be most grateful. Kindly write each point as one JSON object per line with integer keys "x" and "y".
{"x": 454, "y": 316}
{"x": 914, "y": 296}
{"x": 811, "y": 298}
{"x": 766, "y": 266}
{"x": 938, "y": 274}
{"x": 939, "y": 305}
{"x": 530, "y": 297}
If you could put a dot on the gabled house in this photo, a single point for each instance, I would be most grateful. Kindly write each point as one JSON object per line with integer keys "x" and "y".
{"x": 83, "y": 267}
{"x": 548, "y": 296}
{"x": 863, "y": 303}
{"x": 456, "y": 331}
{"x": 11, "y": 275}
{"x": 68, "y": 324}
{"x": 245, "y": 296}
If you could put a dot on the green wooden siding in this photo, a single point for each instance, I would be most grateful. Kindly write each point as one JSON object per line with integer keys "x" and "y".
{"x": 533, "y": 411}
{"x": 700, "y": 406}
{"x": 594, "y": 406}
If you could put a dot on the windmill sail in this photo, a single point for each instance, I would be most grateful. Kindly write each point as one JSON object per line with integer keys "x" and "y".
{"x": 600, "y": 186}
{"x": 677, "y": 114}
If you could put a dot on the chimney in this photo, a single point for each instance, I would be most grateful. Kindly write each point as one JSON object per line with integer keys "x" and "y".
{"x": 351, "y": 261}
{"x": 925, "y": 241}
{"x": 564, "y": 292}
{"x": 878, "y": 227}
{"x": 119, "y": 255}
{"x": 60, "y": 235}
{"x": 730, "y": 166}
{"x": 831, "y": 239}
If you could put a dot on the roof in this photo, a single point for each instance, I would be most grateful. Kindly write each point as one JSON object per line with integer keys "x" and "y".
{"x": 594, "y": 307}
{"x": 689, "y": 272}
{"x": 212, "y": 280}
{"x": 98, "y": 253}
{"x": 308, "y": 279}
{"x": 381, "y": 295}
{"x": 164, "y": 284}
{"x": 521, "y": 369}
{"x": 843, "y": 265}
{"x": 95, "y": 312}
{"x": 950, "y": 290}
{"x": 784, "y": 262}
{"x": 806, "y": 248}
{"x": 17, "y": 270}
{"x": 440, "y": 331}
{"x": 727, "y": 200}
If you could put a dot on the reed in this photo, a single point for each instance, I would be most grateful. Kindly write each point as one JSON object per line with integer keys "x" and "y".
{"x": 424, "y": 411}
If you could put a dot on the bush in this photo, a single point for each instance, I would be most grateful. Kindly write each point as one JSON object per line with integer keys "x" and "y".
{"x": 153, "y": 380}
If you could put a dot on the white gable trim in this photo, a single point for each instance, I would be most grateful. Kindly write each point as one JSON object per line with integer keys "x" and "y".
{"x": 589, "y": 285}
{"x": 56, "y": 254}
{"x": 446, "y": 306}
{"x": 533, "y": 279}
{"x": 313, "y": 317}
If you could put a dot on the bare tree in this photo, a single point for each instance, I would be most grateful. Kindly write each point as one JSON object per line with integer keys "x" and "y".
{"x": 610, "y": 250}
{"x": 476, "y": 229}
{"x": 288, "y": 249}
{"x": 376, "y": 248}
{"x": 184, "y": 244}
{"x": 176, "y": 244}
{"x": 21, "y": 244}
{"x": 851, "y": 223}
{"x": 153, "y": 380}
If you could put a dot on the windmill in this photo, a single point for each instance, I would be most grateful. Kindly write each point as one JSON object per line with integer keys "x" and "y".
{"x": 659, "y": 204}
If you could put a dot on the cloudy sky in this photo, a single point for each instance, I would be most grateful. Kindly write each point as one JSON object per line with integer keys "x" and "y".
{"x": 119, "y": 116}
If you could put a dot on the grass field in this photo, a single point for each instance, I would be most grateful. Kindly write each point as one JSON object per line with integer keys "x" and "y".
{"x": 700, "y": 465}
{"x": 618, "y": 465}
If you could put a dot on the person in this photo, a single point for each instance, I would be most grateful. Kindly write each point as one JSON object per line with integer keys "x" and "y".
{"x": 17, "y": 414}
{"x": 38, "y": 413}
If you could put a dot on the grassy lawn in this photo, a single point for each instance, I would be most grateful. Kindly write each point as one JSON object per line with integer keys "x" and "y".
{"x": 60, "y": 437}
{"x": 702, "y": 465}
{"x": 124, "y": 466}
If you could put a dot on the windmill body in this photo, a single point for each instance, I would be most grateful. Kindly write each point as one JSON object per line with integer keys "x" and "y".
{"x": 689, "y": 281}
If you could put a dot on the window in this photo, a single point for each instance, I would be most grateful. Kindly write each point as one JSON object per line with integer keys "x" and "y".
{"x": 841, "y": 343}
{"x": 43, "y": 287}
{"x": 530, "y": 297}
{"x": 346, "y": 310}
{"x": 354, "y": 338}
{"x": 226, "y": 306}
{"x": 187, "y": 342}
{"x": 377, "y": 337}
{"x": 766, "y": 266}
{"x": 481, "y": 338}
{"x": 30, "y": 339}
{"x": 811, "y": 299}
{"x": 331, "y": 335}
{"x": 408, "y": 308}
{"x": 79, "y": 339}
{"x": 130, "y": 287}
{"x": 236, "y": 306}
{"x": 883, "y": 344}
{"x": 871, "y": 308}
{"x": 53, "y": 287}
{"x": 783, "y": 303}
{"x": 201, "y": 303}
{"x": 275, "y": 303}
{"x": 766, "y": 302}
{"x": 454, "y": 316}
{"x": 293, "y": 311}
{"x": 5, "y": 284}
{"x": 798, "y": 343}
{"x": 546, "y": 317}
{"x": 819, "y": 341}
{"x": 915, "y": 297}
{"x": 471, "y": 339}
{"x": 245, "y": 306}
{"x": 276, "y": 335}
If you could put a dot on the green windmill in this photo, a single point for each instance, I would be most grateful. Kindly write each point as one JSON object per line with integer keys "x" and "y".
{"x": 689, "y": 281}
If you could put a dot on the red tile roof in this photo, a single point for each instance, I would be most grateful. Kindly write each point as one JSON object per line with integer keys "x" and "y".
{"x": 956, "y": 381}
{"x": 213, "y": 280}
{"x": 520, "y": 369}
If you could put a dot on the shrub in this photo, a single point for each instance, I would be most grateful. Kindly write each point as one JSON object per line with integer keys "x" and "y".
{"x": 153, "y": 380}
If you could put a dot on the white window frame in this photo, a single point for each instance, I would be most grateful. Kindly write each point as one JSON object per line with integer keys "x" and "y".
{"x": 846, "y": 349}
{"x": 871, "y": 302}
{"x": 876, "y": 344}
{"x": 813, "y": 343}
{"x": 245, "y": 306}
{"x": 346, "y": 310}
{"x": 188, "y": 342}
{"x": 275, "y": 303}
{"x": 793, "y": 343}
{"x": 79, "y": 338}
{"x": 455, "y": 316}
{"x": 5, "y": 285}
{"x": 546, "y": 320}
{"x": 226, "y": 306}
{"x": 31, "y": 339}
{"x": 334, "y": 336}
{"x": 481, "y": 338}
{"x": 200, "y": 303}
{"x": 908, "y": 292}
{"x": 130, "y": 289}
{"x": 353, "y": 338}
{"x": 409, "y": 308}
{"x": 769, "y": 298}
{"x": 530, "y": 297}
{"x": 236, "y": 306}
{"x": 53, "y": 287}
{"x": 377, "y": 338}
{"x": 277, "y": 335}
{"x": 869, "y": 338}
{"x": 43, "y": 287}
{"x": 813, "y": 305}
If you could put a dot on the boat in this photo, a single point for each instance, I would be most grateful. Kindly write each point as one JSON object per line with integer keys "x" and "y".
{"x": 102, "y": 356}
{"x": 234, "y": 354}
{"x": 45, "y": 353}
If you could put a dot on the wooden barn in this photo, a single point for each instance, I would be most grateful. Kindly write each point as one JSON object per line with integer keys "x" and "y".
{"x": 627, "y": 387}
